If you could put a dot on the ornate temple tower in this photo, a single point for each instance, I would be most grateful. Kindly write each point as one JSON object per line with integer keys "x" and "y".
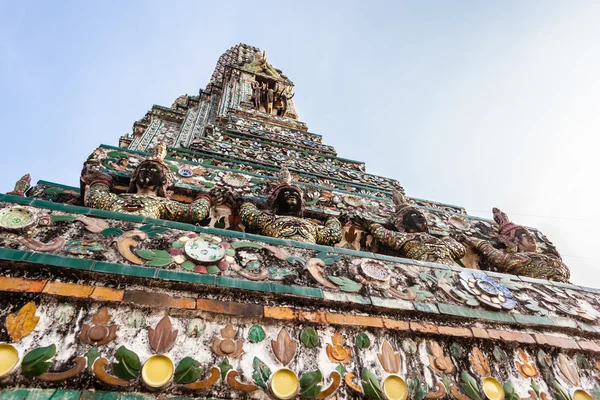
{"x": 224, "y": 251}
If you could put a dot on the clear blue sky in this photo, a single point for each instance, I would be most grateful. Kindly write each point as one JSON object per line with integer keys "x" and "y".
{"x": 474, "y": 103}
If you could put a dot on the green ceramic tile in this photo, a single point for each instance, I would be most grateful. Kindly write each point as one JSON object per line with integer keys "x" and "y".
{"x": 460, "y": 311}
{"x": 131, "y": 270}
{"x": 13, "y": 255}
{"x": 494, "y": 316}
{"x": 50, "y": 259}
{"x": 588, "y": 328}
{"x": 346, "y": 297}
{"x": 215, "y": 231}
{"x": 396, "y": 304}
{"x": 354, "y": 253}
{"x": 435, "y": 265}
{"x": 533, "y": 280}
{"x": 179, "y": 225}
{"x": 135, "y": 396}
{"x": 564, "y": 321}
{"x": 154, "y": 221}
{"x": 115, "y": 215}
{"x": 384, "y": 257}
{"x": 532, "y": 319}
{"x": 75, "y": 209}
{"x": 14, "y": 394}
{"x": 2, "y": 196}
{"x": 17, "y": 199}
{"x": 463, "y": 311}
{"x": 266, "y": 239}
{"x": 310, "y": 246}
{"x": 62, "y": 394}
{"x": 234, "y": 234}
{"x": 565, "y": 285}
{"x": 190, "y": 277}
{"x": 48, "y": 205}
{"x": 100, "y": 395}
{"x": 296, "y": 290}
{"x": 243, "y": 284}
{"x": 426, "y": 307}
{"x": 590, "y": 290}
{"x": 455, "y": 268}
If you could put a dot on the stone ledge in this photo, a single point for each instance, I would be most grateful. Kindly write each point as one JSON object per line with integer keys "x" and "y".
{"x": 287, "y": 314}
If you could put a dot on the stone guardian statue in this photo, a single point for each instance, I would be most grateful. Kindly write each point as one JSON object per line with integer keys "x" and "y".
{"x": 285, "y": 219}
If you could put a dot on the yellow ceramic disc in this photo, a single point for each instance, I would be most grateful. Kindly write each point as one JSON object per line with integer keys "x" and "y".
{"x": 284, "y": 384}
{"x": 157, "y": 371}
{"x": 493, "y": 389}
{"x": 9, "y": 357}
{"x": 395, "y": 388}
{"x": 581, "y": 395}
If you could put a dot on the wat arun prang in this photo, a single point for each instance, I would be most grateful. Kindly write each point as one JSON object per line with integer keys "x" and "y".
{"x": 221, "y": 250}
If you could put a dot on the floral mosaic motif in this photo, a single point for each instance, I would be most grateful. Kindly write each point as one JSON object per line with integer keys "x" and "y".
{"x": 479, "y": 362}
{"x": 568, "y": 370}
{"x": 438, "y": 361}
{"x": 487, "y": 290}
{"x": 526, "y": 367}
{"x": 22, "y": 323}
{"x": 16, "y": 218}
{"x": 227, "y": 346}
{"x": 336, "y": 351}
{"x": 389, "y": 359}
{"x": 127, "y": 367}
{"x": 64, "y": 313}
{"x": 284, "y": 348}
{"x": 162, "y": 338}
{"x": 202, "y": 253}
{"x": 99, "y": 333}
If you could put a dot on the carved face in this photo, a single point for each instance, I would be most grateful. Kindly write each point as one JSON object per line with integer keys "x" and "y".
{"x": 414, "y": 221}
{"x": 149, "y": 178}
{"x": 289, "y": 202}
{"x": 525, "y": 241}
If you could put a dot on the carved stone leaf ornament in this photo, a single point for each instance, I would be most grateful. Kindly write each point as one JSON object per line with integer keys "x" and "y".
{"x": 36, "y": 362}
{"x": 284, "y": 347}
{"x": 336, "y": 350}
{"x": 99, "y": 333}
{"x": 227, "y": 346}
{"x": 162, "y": 338}
{"x": 526, "y": 368}
{"x": 187, "y": 371}
{"x": 260, "y": 372}
{"x": 479, "y": 362}
{"x": 22, "y": 323}
{"x": 389, "y": 360}
{"x": 568, "y": 370}
{"x": 438, "y": 361}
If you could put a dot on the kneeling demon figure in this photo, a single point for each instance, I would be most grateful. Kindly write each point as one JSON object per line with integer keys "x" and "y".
{"x": 412, "y": 240}
{"x": 285, "y": 221}
{"x": 147, "y": 193}
{"x": 520, "y": 256}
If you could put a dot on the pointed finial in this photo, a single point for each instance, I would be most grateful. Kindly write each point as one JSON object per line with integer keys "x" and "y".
{"x": 284, "y": 175}
{"x": 160, "y": 151}
{"x": 398, "y": 198}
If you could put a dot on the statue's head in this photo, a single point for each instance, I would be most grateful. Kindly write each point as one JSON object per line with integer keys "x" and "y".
{"x": 412, "y": 220}
{"x": 287, "y": 198}
{"x": 525, "y": 241}
{"x": 515, "y": 237}
{"x": 152, "y": 176}
{"x": 407, "y": 218}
